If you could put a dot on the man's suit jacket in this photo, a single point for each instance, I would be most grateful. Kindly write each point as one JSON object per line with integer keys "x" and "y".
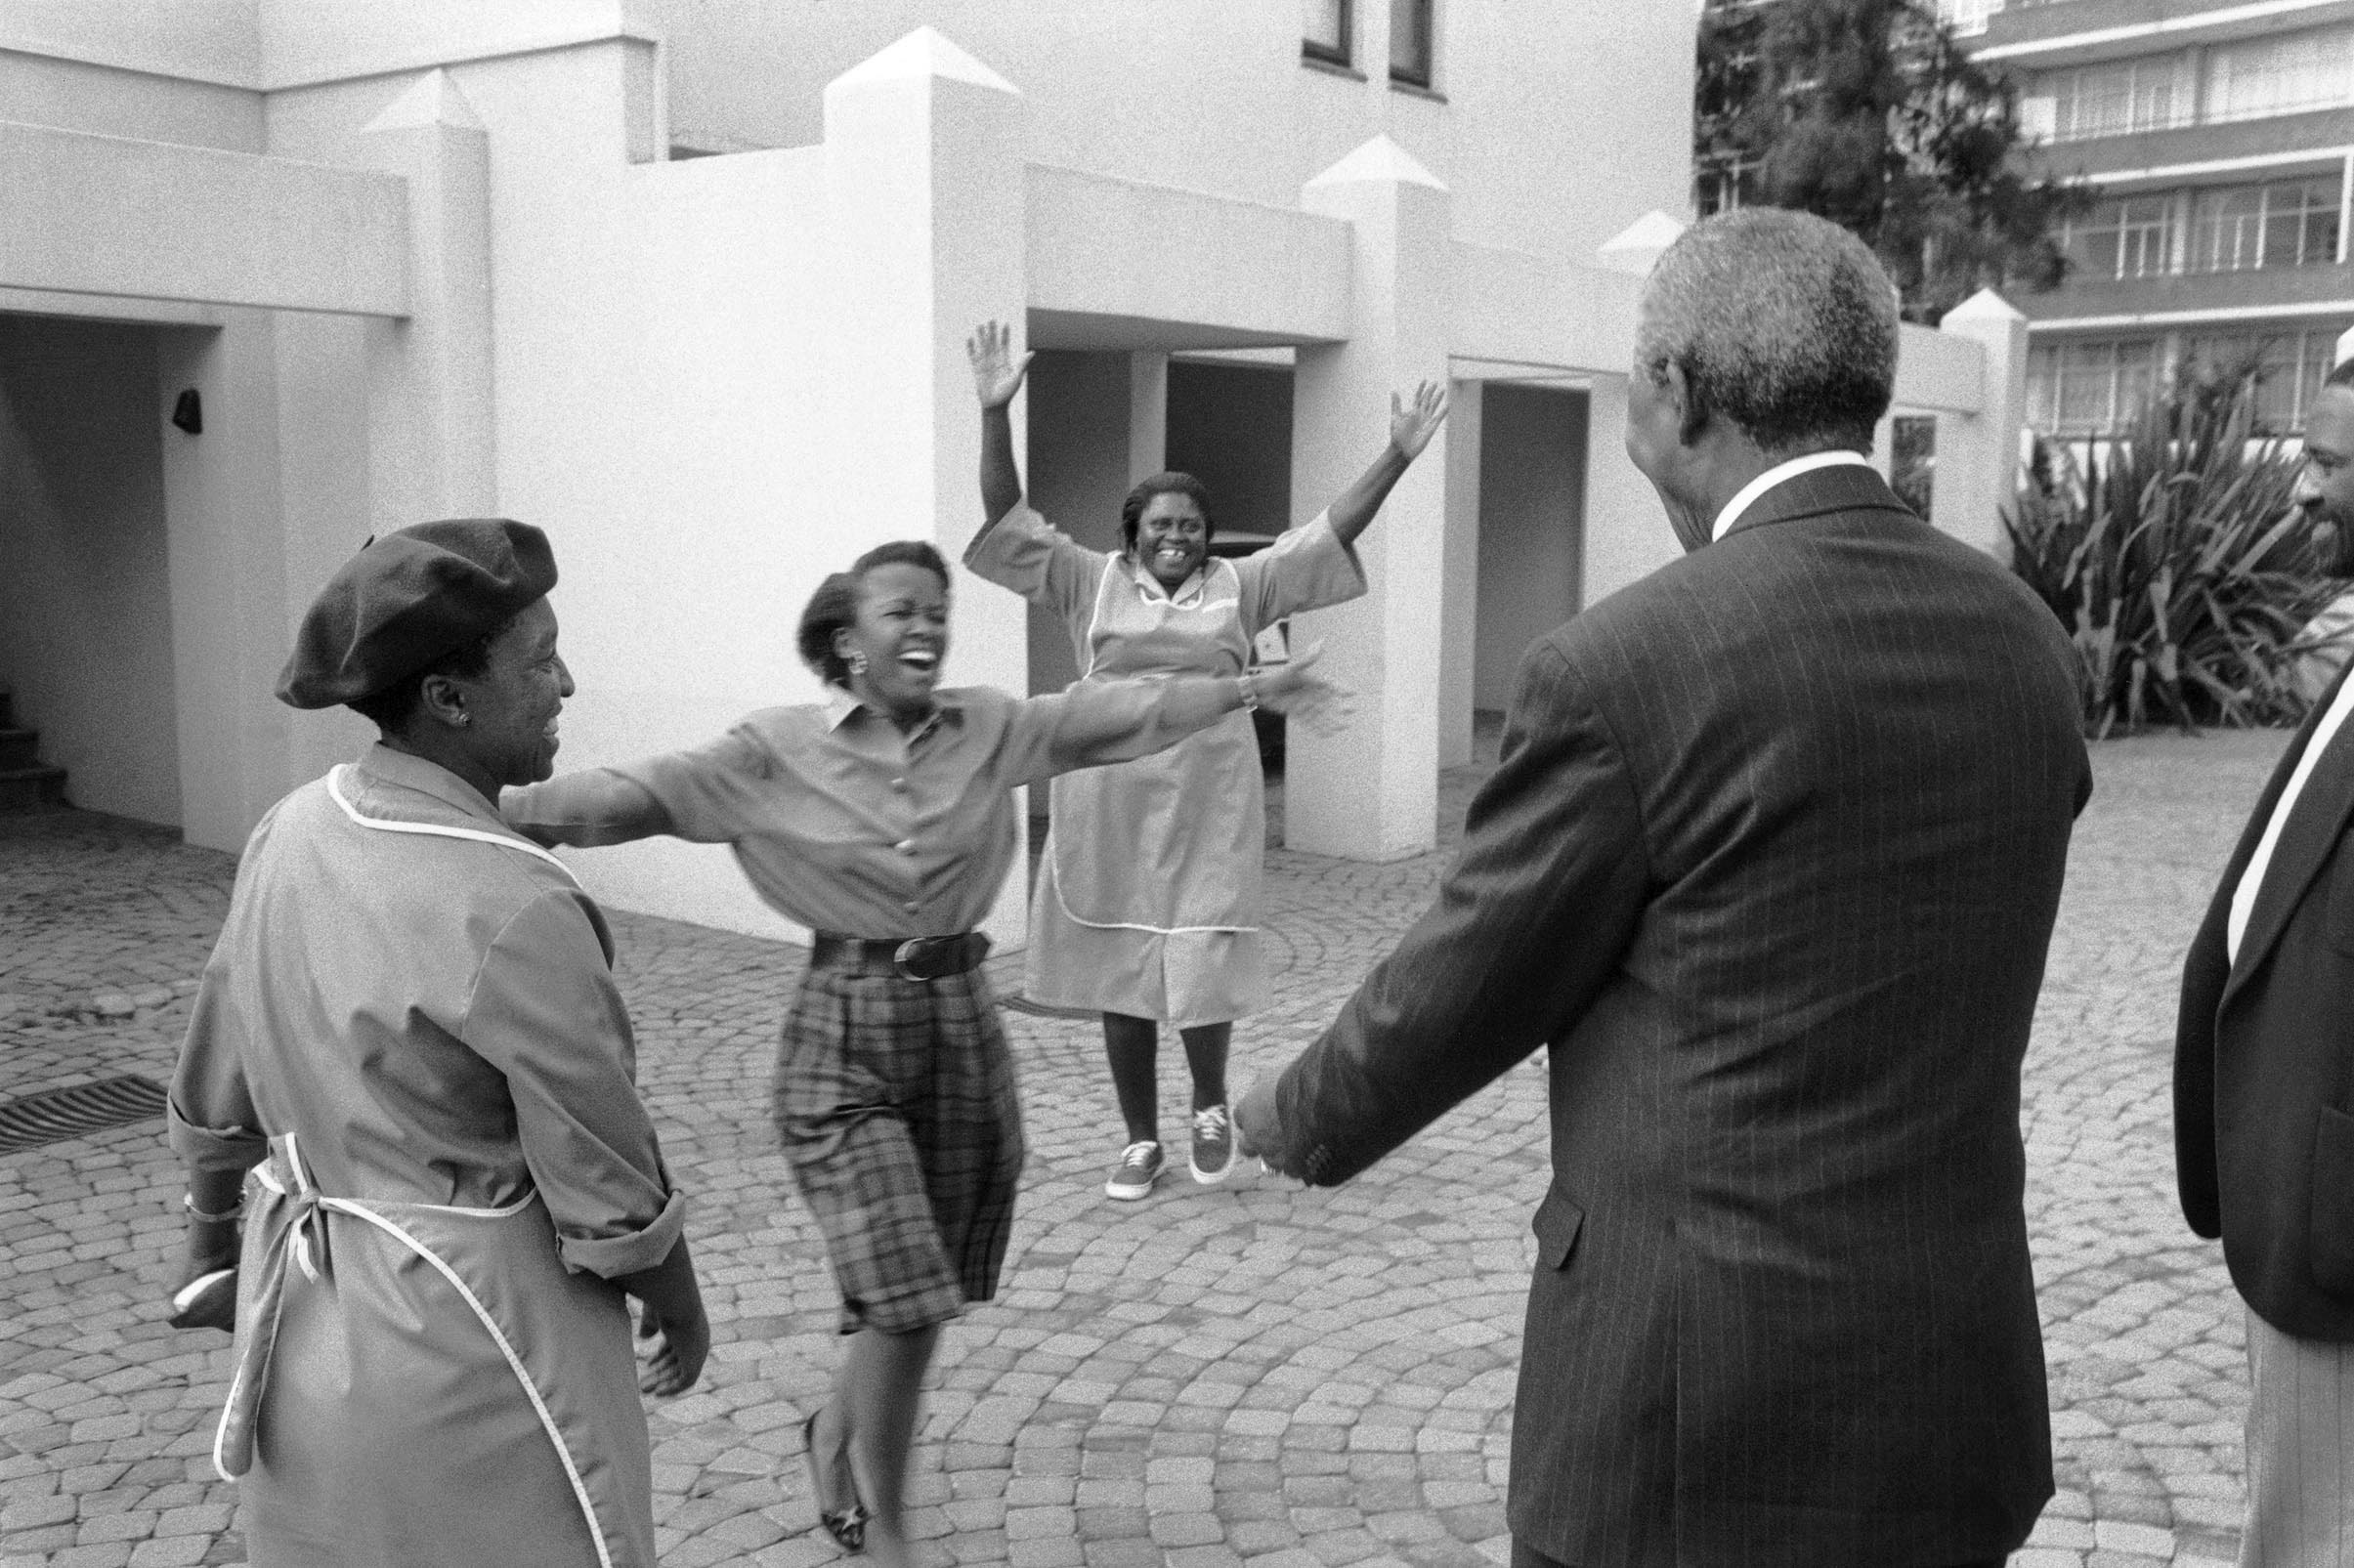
{"x": 1770, "y": 860}
{"x": 2264, "y": 1060}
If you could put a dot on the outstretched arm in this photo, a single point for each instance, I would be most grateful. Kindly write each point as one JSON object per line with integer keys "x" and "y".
{"x": 592, "y": 807}
{"x": 1411, "y": 426}
{"x": 1100, "y": 722}
{"x": 995, "y": 377}
{"x": 1529, "y": 925}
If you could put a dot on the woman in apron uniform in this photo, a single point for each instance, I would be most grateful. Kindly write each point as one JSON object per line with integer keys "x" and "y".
{"x": 883, "y": 820}
{"x": 1147, "y": 906}
{"x": 409, "y": 1050}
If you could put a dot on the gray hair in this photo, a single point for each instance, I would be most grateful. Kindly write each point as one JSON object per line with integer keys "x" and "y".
{"x": 1782, "y": 322}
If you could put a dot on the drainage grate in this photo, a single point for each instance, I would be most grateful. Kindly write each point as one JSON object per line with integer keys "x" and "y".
{"x": 59, "y": 1114}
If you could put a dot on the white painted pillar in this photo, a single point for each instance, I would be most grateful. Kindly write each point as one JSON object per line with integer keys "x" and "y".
{"x": 924, "y": 218}
{"x": 1147, "y": 415}
{"x": 225, "y": 549}
{"x": 1459, "y": 605}
{"x": 433, "y": 447}
{"x": 1978, "y": 455}
{"x": 1372, "y": 792}
{"x": 1627, "y": 535}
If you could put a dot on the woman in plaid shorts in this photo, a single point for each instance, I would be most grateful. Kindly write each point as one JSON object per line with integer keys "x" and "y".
{"x": 883, "y": 819}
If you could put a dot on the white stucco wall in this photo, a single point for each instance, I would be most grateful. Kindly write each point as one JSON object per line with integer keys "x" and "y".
{"x": 1535, "y": 137}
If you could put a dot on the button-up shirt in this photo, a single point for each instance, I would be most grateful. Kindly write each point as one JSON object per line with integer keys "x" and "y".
{"x": 841, "y": 821}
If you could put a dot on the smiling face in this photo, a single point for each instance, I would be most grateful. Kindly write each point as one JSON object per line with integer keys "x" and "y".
{"x": 512, "y": 705}
{"x": 1173, "y": 537}
{"x": 901, "y": 633}
{"x": 2325, "y": 482}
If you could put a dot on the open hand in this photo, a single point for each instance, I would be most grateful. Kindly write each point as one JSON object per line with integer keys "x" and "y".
{"x": 1294, "y": 689}
{"x": 995, "y": 375}
{"x": 1412, "y": 424}
{"x": 678, "y": 1351}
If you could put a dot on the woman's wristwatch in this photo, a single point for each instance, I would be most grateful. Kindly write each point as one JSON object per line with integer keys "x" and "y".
{"x": 1248, "y": 684}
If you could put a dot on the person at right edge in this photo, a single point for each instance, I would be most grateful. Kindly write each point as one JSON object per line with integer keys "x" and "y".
{"x": 2264, "y": 1084}
{"x": 1770, "y": 864}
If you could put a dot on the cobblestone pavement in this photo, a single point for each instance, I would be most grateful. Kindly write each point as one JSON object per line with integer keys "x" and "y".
{"x": 1219, "y": 1375}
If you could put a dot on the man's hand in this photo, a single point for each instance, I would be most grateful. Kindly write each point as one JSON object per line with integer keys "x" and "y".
{"x": 1259, "y": 1128}
{"x": 1412, "y": 424}
{"x": 678, "y": 1351}
{"x": 995, "y": 377}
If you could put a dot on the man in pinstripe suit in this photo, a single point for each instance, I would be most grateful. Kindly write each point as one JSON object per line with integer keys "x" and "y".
{"x": 2264, "y": 1082}
{"x": 1771, "y": 861}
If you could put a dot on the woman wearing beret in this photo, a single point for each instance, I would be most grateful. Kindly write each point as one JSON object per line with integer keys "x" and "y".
{"x": 1147, "y": 908}
{"x": 408, "y": 1051}
{"x": 883, "y": 819}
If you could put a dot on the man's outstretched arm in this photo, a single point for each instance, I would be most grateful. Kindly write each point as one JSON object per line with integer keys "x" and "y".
{"x": 1528, "y": 927}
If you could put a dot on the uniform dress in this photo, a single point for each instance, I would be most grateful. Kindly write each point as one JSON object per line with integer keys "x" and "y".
{"x": 1148, "y": 902}
{"x": 895, "y": 1097}
{"x": 410, "y": 1037}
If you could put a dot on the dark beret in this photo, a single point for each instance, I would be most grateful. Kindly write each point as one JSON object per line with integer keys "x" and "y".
{"x": 410, "y": 597}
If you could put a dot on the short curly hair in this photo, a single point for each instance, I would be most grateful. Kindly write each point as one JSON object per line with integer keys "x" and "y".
{"x": 1782, "y": 322}
{"x": 1132, "y": 510}
{"x": 834, "y": 605}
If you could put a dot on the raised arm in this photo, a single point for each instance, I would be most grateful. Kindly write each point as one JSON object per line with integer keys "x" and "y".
{"x": 1411, "y": 425}
{"x": 995, "y": 377}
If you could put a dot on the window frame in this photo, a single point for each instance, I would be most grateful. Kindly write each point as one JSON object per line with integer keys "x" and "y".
{"x": 1341, "y": 54}
{"x": 1426, "y": 12}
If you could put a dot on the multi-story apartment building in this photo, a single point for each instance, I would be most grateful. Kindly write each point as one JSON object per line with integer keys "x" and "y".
{"x": 2220, "y": 135}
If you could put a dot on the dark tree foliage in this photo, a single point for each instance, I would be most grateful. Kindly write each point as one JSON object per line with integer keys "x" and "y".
{"x": 1868, "y": 113}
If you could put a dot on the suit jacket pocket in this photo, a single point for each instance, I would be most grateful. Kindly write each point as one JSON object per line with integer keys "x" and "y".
{"x": 1557, "y": 1224}
{"x": 2331, "y": 1228}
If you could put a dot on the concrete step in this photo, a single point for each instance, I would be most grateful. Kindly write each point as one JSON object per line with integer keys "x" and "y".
{"x": 19, "y": 748}
{"x": 35, "y": 788}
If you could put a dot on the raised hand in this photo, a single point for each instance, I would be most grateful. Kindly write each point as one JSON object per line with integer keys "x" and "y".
{"x": 1412, "y": 424}
{"x": 1296, "y": 692}
{"x": 996, "y": 376}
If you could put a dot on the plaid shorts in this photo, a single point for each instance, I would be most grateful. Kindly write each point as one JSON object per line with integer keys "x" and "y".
{"x": 896, "y": 1103}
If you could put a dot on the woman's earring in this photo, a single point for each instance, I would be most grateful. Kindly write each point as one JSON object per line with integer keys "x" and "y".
{"x": 466, "y": 718}
{"x": 858, "y": 662}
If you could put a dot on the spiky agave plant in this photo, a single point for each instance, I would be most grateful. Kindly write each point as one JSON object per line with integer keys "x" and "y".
{"x": 2176, "y": 560}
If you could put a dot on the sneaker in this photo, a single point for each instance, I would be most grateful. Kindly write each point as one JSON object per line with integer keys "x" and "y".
{"x": 1138, "y": 1168}
{"x": 1213, "y": 1157}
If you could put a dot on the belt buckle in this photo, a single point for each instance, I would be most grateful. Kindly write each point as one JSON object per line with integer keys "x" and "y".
{"x": 904, "y": 957}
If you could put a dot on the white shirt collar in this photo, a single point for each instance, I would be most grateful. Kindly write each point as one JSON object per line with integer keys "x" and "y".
{"x": 1746, "y": 496}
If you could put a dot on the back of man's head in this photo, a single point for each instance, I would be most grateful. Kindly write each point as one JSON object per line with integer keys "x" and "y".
{"x": 1782, "y": 322}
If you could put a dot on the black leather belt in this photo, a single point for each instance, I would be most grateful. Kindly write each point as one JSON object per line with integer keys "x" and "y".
{"x": 913, "y": 959}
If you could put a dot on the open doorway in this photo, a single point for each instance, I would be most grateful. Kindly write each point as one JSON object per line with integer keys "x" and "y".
{"x": 85, "y": 592}
{"x": 1532, "y": 516}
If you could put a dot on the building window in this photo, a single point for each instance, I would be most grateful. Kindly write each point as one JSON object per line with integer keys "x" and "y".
{"x": 1967, "y": 16}
{"x": 2119, "y": 98}
{"x": 2286, "y": 223}
{"x": 1410, "y": 42}
{"x": 2288, "y": 364}
{"x": 2282, "y": 75}
{"x": 2088, "y": 386}
{"x": 1725, "y": 183}
{"x": 2130, "y": 237}
{"x": 1324, "y": 31}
